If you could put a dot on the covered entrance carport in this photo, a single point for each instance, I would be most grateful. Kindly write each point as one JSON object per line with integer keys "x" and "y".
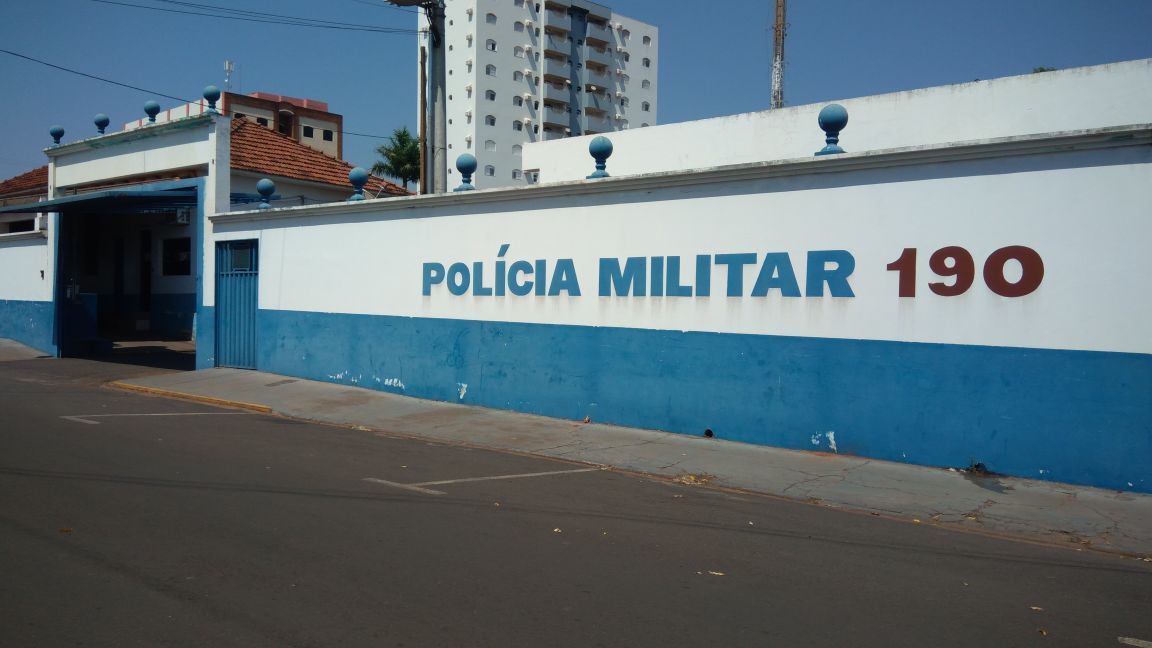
{"x": 127, "y": 270}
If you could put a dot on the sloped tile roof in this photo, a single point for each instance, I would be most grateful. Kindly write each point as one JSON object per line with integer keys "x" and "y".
{"x": 261, "y": 150}
{"x": 29, "y": 182}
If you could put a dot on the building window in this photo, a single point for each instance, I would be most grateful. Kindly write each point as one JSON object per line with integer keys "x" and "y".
{"x": 327, "y": 135}
{"x": 517, "y": 126}
{"x": 467, "y": 142}
{"x": 489, "y": 170}
{"x": 645, "y": 84}
{"x": 517, "y": 149}
{"x": 468, "y": 118}
{"x": 517, "y": 100}
{"x": 647, "y": 40}
{"x": 489, "y": 145}
{"x": 515, "y": 174}
{"x": 626, "y": 57}
{"x": 517, "y": 76}
{"x": 518, "y": 52}
{"x": 262, "y": 121}
{"x": 518, "y": 26}
{"x": 490, "y": 70}
{"x": 468, "y": 66}
{"x": 469, "y": 38}
{"x": 645, "y": 106}
{"x": 490, "y": 19}
{"x": 240, "y": 115}
{"x": 490, "y": 95}
{"x": 307, "y": 131}
{"x": 623, "y": 101}
{"x": 469, "y": 15}
{"x": 625, "y": 35}
{"x": 490, "y": 45}
{"x": 518, "y": 3}
{"x": 643, "y": 125}
{"x": 468, "y": 92}
{"x": 489, "y": 120}
{"x": 647, "y": 62}
{"x": 533, "y": 177}
{"x": 29, "y": 224}
{"x": 177, "y": 256}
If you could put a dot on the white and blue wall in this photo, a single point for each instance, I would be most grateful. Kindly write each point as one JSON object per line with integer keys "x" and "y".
{"x": 947, "y": 305}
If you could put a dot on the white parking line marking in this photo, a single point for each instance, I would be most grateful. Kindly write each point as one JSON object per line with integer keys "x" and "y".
{"x": 84, "y": 418}
{"x": 496, "y": 477}
{"x": 1139, "y": 643}
{"x": 419, "y": 487}
{"x": 426, "y": 491}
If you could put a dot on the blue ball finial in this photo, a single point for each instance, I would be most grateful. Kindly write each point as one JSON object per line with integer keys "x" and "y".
{"x": 600, "y": 149}
{"x": 151, "y": 108}
{"x": 212, "y": 95}
{"x": 56, "y": 132}
{"x": 358, "y": 177}
{"x": 265, "y": 188}
{"x": 466, "y": 165}
{"x": 101, "y": 120}
{"x": 832, "y": 119}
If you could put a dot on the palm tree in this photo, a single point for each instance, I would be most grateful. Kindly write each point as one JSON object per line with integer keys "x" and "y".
{"x": 400, "y": 157}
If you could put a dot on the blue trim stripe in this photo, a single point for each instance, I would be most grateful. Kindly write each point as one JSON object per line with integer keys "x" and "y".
{"x": 29, "y": 322}
{"x": 1073, "y": 416}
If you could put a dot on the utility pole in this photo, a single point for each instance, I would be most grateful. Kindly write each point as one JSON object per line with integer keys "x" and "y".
{"x": 423, "y": 138}
{"x": 778, "y": 57}
{"x": 436, "y": 154}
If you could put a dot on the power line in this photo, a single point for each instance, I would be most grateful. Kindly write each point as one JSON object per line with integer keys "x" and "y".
{"x": 145, "y": 90}
{"x": 273, "y": 19}
{"x": 263, "y": 14}
{"x": 92, "y": 76}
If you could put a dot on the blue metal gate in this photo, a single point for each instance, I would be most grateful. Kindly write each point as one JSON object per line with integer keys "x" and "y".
{"x": 237, "y": 278}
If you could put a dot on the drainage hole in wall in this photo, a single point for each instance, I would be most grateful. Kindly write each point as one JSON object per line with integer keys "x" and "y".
{"x": 708, "y": 433}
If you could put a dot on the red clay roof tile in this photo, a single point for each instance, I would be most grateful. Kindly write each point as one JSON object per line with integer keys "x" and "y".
{"x": 259, "y": 149}
{"x": 29, "y": 182}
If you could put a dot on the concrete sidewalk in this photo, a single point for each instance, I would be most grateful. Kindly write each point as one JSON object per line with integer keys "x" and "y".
{"x": 1072, "y": 515}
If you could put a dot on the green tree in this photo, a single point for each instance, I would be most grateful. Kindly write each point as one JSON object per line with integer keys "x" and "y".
{"x": 400, "y": 157}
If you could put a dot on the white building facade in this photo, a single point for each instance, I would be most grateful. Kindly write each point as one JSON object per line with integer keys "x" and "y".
{"x": 521, "y": 71}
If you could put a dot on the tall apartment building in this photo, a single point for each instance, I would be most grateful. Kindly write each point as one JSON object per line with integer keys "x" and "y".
{"x": 521, "y": 71}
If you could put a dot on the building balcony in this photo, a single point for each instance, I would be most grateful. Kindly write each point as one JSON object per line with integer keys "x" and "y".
{"x": 598, "y": 31}
{"x": 556, "y": 118}
{"x": 557, "y": 19}
{"x": 597, "y": 101}
{"x": 552, "y": 92}
{"x": 558, "y": 45}
{"x": 598, "y": 56}
{"x": 556, "y": 67}
{"x": 597, "y": 124}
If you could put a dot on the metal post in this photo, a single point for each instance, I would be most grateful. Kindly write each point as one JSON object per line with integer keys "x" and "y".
{"x": 778, "y": 58}
{"x": 423, "y": 120}
{"x": 439, "y": 168}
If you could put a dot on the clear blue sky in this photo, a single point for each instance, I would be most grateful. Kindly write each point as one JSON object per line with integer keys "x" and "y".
{"x": 714, "y": 59}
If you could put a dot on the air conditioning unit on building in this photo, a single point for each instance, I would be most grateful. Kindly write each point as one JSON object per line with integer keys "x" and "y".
{"x": 619, "y": 93}
{"x": 619, "y": 48}
{"x": 617, "y": 25}
{"x": 619, "y": 116}
{"x": 527, "y": 95}
{"x": 620, "y": 71}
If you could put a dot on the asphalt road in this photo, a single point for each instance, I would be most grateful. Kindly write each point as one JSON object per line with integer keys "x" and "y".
{"x": 132, "y": 520}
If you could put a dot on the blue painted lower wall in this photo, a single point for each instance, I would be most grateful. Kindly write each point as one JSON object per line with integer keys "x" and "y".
{"x": 205, "y": 325}
{"x": 30, "y": 323}
{"x": 1071, "y": 416}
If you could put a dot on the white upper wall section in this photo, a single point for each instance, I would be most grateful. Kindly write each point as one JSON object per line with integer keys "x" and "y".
{"x": 1079, "y": 98}
{"x": 167, "y": 146}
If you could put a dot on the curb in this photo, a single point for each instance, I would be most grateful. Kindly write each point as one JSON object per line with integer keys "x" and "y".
{"x": 210, "y": 400}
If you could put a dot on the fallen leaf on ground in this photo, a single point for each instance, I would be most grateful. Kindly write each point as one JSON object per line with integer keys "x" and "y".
{"x": 693, "y": 480}
{"x": 556, "y": 530}
{"x": 1037, "y": 609}
{"x": 66, "y": 530}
